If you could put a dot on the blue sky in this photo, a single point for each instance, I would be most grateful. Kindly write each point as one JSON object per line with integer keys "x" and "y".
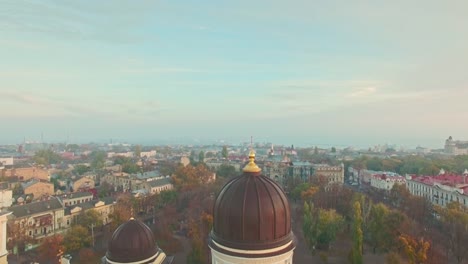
{"x": 295, "y": 72}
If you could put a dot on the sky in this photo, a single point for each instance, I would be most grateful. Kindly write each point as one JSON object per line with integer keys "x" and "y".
{"x": 344, "y": 73}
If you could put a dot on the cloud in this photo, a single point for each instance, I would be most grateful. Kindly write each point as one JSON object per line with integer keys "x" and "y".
{"x": 27, "y": 104}
{"x": 162, "y": 70}
{"x": 363, "y": 92}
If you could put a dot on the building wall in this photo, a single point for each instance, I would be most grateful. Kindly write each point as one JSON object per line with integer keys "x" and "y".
{"x": 437, "y": 194}
{"x": 40, "y": 189}
{"x": 6, "y": 198}
{"x": 26, "y": 174}
{"x": 3, "y": 238}
{"x": 334, "y": 174}
{"x": 158, "y": 189}
{"x": 83, "y": 183}
{"x": 220, "y": 258}
{"x": 6, "y": 161}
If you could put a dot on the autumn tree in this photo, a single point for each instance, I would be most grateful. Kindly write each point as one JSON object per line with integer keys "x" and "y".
{"x": 76, "y": 238}
{"x": 86, "y": 255}
{"x": 454, "y": 221}
{"x": 416, "y": 250}
{"x": 356, "y": 255}
{"x": 189, "y": 177}
{"x": 123, "y": 210}
{"x": 50, "y": 248}
{"x": 18, "y": 237}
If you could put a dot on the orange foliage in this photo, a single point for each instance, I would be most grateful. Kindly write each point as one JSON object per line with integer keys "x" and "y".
{"x": 416, "y": 250}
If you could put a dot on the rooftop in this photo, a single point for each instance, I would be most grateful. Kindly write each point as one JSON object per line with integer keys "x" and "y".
{"x": 36, "y": 207}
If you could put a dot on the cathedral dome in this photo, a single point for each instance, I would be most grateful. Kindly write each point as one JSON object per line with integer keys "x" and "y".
{"x": 252, "y": 213}
{"x": 132, "y": 242}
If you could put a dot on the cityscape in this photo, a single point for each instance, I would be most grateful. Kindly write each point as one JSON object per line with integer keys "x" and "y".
{"x": 233, "y": 132}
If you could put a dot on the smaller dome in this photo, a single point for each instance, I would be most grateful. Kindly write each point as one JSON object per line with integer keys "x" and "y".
{"x": 131, "y": 242}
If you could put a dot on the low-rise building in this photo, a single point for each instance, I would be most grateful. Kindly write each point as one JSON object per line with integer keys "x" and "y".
{"x": 6, "y": 161}
{"x": 73, "y": 199}
{"x": 26, "y": 174}
{"x": 301, "y": 170}
{"x": 159, "y": 185}
{"x": 3, "y": 237}
{"x": 104, "y": 207}
{"x": 38, "y": 219}
{"x": 6, "y": 198}
{"x": 38, "y": 189}
{"x": 386, "y": 182}
{"x": 82, "y": 183}
{"x": 441, "y": 189}
{"x": 333, "y": 174}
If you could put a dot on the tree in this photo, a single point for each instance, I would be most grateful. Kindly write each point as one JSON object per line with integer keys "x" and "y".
{"x": 189, "y": 177}
{"x": 50, "y": 248}
{"x": 299, "y": 189}
{"x": 333, "y": 150}
{"x": 201, "y": 156}
{"x": 226, "y": 171}
{"x": 123, "y": 210}
{"x": 76, "y": 238}
{"x": 320, "y": 226}
{"x": 330, "y": 223}
{"x": 383, "y": 227}
{"x": 46, "y": 157}
{"x": 356, "y": 255}
{"x": 81, "y": 169}
{"x": 454, "y": 222}
{"x": 18, "y": 189}
{"x": 18, "y": 237}
{"x": 89, "y": 218}
{"x": 224, "y": 152}
{"x": 416, "y": 250}
{"x": 137, "y": 151}
{"x": 86, "y": 255}
{"x": 98, "y": 159}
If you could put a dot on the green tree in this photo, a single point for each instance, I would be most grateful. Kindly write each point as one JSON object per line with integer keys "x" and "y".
{"x": 333, "y": 150}
{"x": 356, "y": 254}
{"x": 299, "y": 189}
{"x": 76, "y": 238}
{"x": 224, "y": 152}
{"x": 201, "y": 156}
{"x": 137, "y": 151}
{"x": 81, "y": 169}
{"x": 89, "y": 218}
{"x": 226, "y": 171}
{"x": 18, "y": 189}
{"x": 98, "y": 159}
{"x": 320, "y": 226}
{"x": 46, "y": 157}
{"x": 330, "y": 223}
{"x": 383, "y": 227}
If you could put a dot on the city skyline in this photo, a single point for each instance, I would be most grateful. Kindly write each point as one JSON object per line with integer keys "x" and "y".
{"x": 301, "y": 72}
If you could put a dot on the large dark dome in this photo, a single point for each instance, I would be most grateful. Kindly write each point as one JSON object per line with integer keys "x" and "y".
{"x": 132, "y": 241}
{"x": 252, "y": 213}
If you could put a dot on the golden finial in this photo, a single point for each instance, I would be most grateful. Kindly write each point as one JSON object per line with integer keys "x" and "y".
{"x": 251, "y": 166}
